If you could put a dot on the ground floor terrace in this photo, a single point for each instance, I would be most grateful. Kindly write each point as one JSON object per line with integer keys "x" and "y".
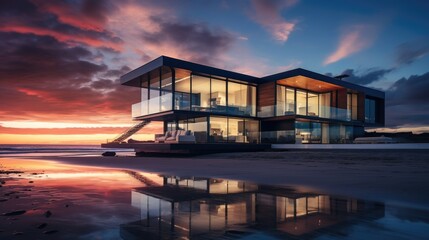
{"x": 289, "y": 129}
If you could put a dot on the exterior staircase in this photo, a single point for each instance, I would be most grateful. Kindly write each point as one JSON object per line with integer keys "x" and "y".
{"x": 130, "y": 131}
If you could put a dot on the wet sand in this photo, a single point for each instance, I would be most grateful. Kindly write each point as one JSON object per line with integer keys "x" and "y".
{"x": 397, "y": 177}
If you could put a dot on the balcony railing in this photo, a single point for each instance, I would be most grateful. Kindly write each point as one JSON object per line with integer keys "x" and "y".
{"x": 154, "y": 105}
{"x": 322, "y": 112}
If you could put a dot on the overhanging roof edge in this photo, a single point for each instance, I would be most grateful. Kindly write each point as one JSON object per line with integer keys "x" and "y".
{"x": 177, "y": 63}
{"x": 157, "y": 62}
{"x": 321, "y": 77}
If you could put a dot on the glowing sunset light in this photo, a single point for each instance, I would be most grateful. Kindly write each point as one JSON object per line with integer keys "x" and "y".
{"x": 61, "y": 61}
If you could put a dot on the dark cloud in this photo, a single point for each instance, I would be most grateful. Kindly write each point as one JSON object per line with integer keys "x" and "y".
{"x": 369, "y": 76}
{"x": 44, "y": 79}
{"x": 117, "y": 72}
{"x": 201, "y": 43}
{"x": 407, "y": 101}
{"x": 59, "y": 20}
{"x": 409, "y": 52}
{"x": 27, "y": 57}
{"x": 412, "y": 90}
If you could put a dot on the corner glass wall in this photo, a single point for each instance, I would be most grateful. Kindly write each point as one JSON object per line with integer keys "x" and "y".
{"x": 156, "y": 93}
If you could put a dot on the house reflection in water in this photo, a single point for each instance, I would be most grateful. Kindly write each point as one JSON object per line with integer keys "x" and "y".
{"x": 185, "y": 208}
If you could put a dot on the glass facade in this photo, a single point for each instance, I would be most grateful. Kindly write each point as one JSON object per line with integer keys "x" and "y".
{"x": 217, "y": 109}
{"x": 156, "y": 92}
{"x": 193, "y": 93}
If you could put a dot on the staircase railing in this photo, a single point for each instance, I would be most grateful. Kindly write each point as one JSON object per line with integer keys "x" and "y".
{"x": 128, "y": 133}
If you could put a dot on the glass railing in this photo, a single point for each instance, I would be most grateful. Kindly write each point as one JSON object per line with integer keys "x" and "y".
{"x": 266, "y": 111}
{"x": 153, "y": 105}
{"x": 322, "y": 112}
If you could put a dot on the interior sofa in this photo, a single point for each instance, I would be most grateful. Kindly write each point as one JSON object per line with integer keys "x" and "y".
{"x": 175, "y": 136}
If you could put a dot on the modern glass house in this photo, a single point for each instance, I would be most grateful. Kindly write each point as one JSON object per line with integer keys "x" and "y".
{"x": 220, "y": 106}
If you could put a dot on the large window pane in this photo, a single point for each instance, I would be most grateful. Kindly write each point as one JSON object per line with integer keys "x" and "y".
{"x": 218, "y": 129}
{"x": 198, "y": 126}
{"x": 313, "y": 104}
{"x": 144, "y": 105}
{"x": 251, "y": 131}
{"x": 236, "y": 130}
{"x": 218, "y": 95}
{"x": 302, "y": 132}
{"x": 285, "y": 101}
{"x": 301, "y": 102}
{"x": 241, "y": 99}
{"x": 290, "y": 101}
{"x": 166, "y": 89}
{"x": 316, "y": 133}
{"x": 325, "y": 105}
{"x": 182, "y": 94}
{"x": 154, "y": 91}
{"x": 281, "y": 100}
{"x": 200, "y": 93}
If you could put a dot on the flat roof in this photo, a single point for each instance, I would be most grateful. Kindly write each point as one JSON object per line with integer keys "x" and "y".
{"x": 129, "y": 78}
{"x": 132, "y": 78}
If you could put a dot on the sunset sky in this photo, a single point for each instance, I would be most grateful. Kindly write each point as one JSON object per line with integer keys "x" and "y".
{"x": 60, "y": 61}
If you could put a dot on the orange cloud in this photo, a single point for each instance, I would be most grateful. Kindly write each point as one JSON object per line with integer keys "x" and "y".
{"x": 353, "y": 40}
{"x": 267, "y": 13}
{"x": 63, "y": 37}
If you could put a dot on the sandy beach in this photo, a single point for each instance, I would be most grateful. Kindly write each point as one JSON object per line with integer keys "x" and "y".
{"x": 398, "y": 177}
{"x": 69, "y": 195}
